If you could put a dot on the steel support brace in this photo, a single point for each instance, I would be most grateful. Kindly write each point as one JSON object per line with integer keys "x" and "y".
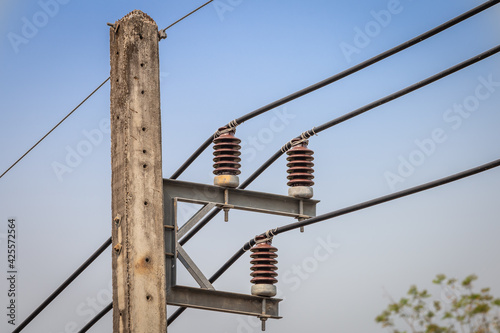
{"x": 223, "y": 301}
{"x": 193, "y": 269}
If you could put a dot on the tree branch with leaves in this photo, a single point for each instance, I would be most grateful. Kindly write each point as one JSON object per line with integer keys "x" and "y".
{"x": 460, "y": 310}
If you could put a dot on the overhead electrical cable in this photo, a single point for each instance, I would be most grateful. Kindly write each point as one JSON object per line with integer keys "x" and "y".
{"x": 63, "y": 286}
{"x": 336, "y": 121}
{"x": 337, "y": 77}
{"x": 379, "y": 102}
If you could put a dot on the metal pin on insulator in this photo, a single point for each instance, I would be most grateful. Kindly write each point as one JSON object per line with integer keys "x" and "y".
{"x": 226, "y": 158}
{"x": 264, "y": 268}
{"x": 300, "y": 171}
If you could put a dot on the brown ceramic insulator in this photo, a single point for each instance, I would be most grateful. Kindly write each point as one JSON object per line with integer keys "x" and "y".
{"x": 300, "y": 171}
{"x": 263, "y": 263}
{"x": 226, "y": 154}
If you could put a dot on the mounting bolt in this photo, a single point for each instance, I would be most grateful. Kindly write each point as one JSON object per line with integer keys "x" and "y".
{"x": 263, "y": 323}
{"x": 226, "y": 158}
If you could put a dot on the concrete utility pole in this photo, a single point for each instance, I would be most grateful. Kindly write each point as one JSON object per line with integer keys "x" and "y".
{"x": 139, "y": 286}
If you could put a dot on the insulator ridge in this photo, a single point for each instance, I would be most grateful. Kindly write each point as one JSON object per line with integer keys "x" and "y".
{"x": 226, "y": 154}
{"x": 264, "y": 268}
{"x": 300, "y": 171}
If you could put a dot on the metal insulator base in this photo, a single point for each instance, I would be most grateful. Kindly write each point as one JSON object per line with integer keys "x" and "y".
{"x": 300, "y": 171}
{"x": 227, "y": 181}
{"x": 264, "y": 290}
{"x": 226, "y": 154}
{"x": 302, "y": 192}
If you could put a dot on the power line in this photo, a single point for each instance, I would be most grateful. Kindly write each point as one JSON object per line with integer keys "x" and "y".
{"x": 182, "y": 18}
{"x": 351, "y": 209}
{"x": 96, "y": 318}
{"x": 63, "y": 286}
{"x": 339, "y": 76}
{"x": 53, "y": 128}
{"x": 339, "y": 120}
{"x": 379, "y": 102}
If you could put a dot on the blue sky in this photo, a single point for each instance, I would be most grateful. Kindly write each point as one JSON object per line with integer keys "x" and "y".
{"x": 228, "y": 59}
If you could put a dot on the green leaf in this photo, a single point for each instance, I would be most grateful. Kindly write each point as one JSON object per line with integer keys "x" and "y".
{"x": 447, "y": 315}
{"x": 496, "y": 302}
{"x": 439, "y": 278}
{"x": 481, "y": 308}
{"x": 468, "y": 280}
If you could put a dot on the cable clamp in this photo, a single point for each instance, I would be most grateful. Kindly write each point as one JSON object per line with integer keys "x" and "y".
{"x": 162, "y": 34}
{"x": 269, "y": 236}
{"x": 228, "y": 128}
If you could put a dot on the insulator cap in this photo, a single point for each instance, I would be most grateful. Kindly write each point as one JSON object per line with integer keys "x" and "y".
{"x": 264, "y": 268}
{"x": 300, "y": 171}
{"x": 226, "y": 158}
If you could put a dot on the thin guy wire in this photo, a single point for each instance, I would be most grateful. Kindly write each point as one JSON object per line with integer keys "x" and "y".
{"x": 182, "y": 18}
{"x": 53, "y": 128}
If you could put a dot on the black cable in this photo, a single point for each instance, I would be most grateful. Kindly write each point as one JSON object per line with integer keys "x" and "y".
{"x": 370, "y": 106}
{"x": 53, "y": 128}
{"x": 96, "y": 318}
{"x": 339, "y": 76}
{"x": 182, "y": 18}
{"x": 63, "y": 286}
{"x": 339, "y": 120}
{"x": 389, "y": 197}
{"x": 273, "y": 232}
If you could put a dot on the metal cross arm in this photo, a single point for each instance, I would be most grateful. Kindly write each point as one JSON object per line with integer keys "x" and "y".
{"x": 210, "y": 197}
{"x": 231, "y": 198}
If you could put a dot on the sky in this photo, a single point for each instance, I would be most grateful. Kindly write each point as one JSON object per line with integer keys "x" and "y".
{"x": 228, "y": 59}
